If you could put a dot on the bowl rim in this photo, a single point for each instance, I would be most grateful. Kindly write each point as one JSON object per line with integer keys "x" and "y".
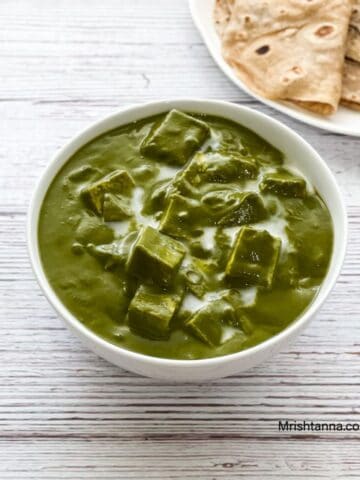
{"x": 80, "y": 139}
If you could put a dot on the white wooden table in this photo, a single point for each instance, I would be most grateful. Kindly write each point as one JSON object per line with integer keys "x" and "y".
{"x": 66, "y": 414}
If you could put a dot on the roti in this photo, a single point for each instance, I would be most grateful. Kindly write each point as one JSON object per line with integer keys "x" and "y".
{"x": 351, "y": 85}
{"x": 353, "y": 44}
{"x": 288, "y": 50}
{"x": 350, "y": 96}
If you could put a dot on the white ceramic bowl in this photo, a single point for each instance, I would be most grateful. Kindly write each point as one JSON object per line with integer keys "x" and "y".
{"x": 302, "y": 155}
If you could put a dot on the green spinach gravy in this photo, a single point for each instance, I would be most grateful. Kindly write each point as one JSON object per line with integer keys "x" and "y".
{"x": 183, "y": 236}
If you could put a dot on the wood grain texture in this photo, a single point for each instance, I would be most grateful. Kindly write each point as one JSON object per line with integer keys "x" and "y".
{"x": 66, "y": 414}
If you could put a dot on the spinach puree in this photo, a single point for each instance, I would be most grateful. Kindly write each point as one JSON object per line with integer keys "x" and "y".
{"x": 183, "y": 236}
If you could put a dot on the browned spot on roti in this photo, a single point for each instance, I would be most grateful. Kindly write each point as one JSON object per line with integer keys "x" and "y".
{"x": 262, "y": 50}
{"x": 294, "y": 72}
{"x": 324, "y": 30}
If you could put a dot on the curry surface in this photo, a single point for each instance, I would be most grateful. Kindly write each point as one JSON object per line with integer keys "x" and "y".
{"x": 99, "y": 292}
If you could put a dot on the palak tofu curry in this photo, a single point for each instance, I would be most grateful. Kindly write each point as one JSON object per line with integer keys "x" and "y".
{"x": 184, "y": 236}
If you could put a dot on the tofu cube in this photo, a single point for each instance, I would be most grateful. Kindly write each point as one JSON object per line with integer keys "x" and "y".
{"x": 180, "y": 216}
{"x": 253, "y": 258}
{"x": 242, "y": 208}
{"x": 241, "y": 320}
{"x": 115, "y": 208}
{"x": 187, "y": 180}
{"x": 284, "y": 184}
{"x": 213, "y": 168}
{"x": 207, "y": 323}
{"x": 155, "y": 257}
{"x": 248, "y": 208}
{"x": 92, "y": 229}
{"x": 151, "y": 311}
{"x": 116, "y": 182}
{"x": 224, "y": 168}
{"x": 176, "y": 138}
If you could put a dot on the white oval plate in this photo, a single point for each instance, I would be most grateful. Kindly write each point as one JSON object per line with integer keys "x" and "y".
{"x": 344, "y": 121}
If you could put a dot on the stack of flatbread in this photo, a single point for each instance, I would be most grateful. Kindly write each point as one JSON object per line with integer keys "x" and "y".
{"x": 306, "y": 52}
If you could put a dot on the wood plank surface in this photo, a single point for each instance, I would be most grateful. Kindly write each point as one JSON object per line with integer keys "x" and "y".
{"x": 65, "y": 413}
